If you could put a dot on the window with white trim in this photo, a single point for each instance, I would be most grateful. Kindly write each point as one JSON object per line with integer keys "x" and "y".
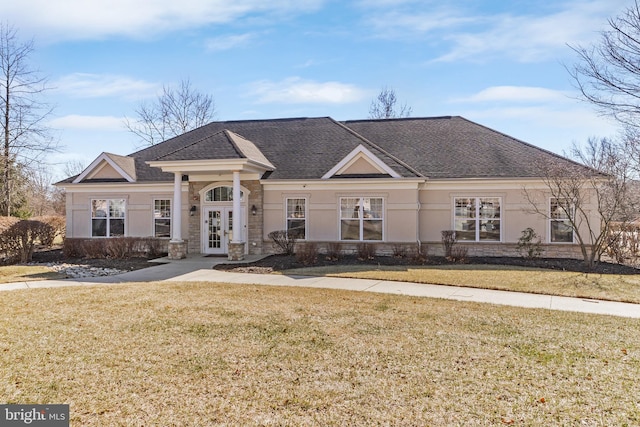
{"x": 221, "y": 194}
{"x": 297, "y": 217}
{"x": 107, "y": 217}
{"x": 560, "y": 213}
{"x": 361, "y": 218}
{"x": 162, "y": 217}
{"x": 477, "y": 219}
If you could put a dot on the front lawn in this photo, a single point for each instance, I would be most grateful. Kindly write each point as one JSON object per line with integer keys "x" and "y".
{"x": 27, "y": 273}
{"x": 613, "y": 287}
{"x": 216, "y": 354}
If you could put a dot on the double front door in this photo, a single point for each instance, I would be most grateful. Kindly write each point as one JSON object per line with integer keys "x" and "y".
{"x": 217, "y": 229}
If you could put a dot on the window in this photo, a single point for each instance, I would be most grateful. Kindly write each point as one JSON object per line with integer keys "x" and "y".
{"x": 107, "y": 217}
{"x": 297, "y": 217}
{"x": 221, "y": 194}
{"x": 361, "y": 218}
{"x": 477, "y": 218}
{"x": 162, "y": 218}
{"x": 560, "y": 226}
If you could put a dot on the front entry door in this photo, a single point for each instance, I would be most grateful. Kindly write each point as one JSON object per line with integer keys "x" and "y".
{"x": 217, "y": 229}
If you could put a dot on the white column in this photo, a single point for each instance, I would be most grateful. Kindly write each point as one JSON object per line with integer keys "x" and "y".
{"x": 237, "y": 216}
{"x": 176, "y": 215}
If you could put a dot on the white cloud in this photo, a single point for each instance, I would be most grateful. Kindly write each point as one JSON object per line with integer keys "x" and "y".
{"x": 515, "y": 94}
{"x": 556, "y": 127}
{"x": 295, "y": 90}
{"x": 79, "y": 122}
{"x": 96, "y": 19}
{"x": 229, "y": 42}
{"x": 84, "y": 85}
{"x": 525, "y": 37}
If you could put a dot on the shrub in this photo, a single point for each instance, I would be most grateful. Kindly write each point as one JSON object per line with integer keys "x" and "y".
{"x": 307, "y": 254}
{"x": 18, "y": 241}
{"x": 154, "y": 247}
{"x": 399, "y": 251}
{"x": 7, "y": 221}
{"x": 93, "y": 248}
{"x": 284, "y": 241}
{"x": 334, "y": 251}
{"x": 419, "y": 255}
{"x": 58, "y": 225}
{"x": 623, "y": 242}
{"x": 449, "y": 239}
{"x": 458, "y": 254}
{"x": 71, "y": 248}
{"x": 365, "y": 251}
{"x": 529, "y": 244}
{"x": 120, "y": 247}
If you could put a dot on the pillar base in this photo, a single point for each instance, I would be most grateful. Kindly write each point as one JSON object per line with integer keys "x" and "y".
{"x": 236, "y": 251}
{"x": 177, "y": 250}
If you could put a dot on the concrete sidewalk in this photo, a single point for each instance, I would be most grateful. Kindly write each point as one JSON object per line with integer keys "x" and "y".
{"x": 198, "y": 268}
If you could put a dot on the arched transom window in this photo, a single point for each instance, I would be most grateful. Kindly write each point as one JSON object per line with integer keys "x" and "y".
{"x": 221, "y": 194}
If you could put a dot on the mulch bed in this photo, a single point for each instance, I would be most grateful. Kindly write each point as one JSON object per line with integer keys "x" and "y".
{"x": 286, "y": 262}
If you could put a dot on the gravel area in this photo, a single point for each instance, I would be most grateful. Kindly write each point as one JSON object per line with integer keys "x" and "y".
{"x": 85, "y": 267}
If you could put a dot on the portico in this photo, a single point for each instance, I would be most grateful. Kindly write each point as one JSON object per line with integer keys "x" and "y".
{"x": 232, "y": 221}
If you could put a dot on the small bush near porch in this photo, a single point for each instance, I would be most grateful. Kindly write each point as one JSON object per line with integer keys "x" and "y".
{"x": 204, "y": 354}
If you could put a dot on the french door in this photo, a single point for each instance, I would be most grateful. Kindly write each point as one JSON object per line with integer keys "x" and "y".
{"x": 217, "y": 229}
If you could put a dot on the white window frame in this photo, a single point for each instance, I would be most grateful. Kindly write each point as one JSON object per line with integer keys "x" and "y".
{"x": 362, "y": 218}
{"x": 478, "y": 218}
{"x": 228, "y": 194}
{"x": 567, "y": 221}
{"x": 154, "y": 217}
{"x": 304, "y": 218}
{"x": 108, "y": 218}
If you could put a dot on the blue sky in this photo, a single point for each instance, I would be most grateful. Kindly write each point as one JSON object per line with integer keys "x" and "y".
{"x": 499, "y": 63}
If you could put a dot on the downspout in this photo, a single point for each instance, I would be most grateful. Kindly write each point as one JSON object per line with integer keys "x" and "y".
{"x": 418, "y": 206}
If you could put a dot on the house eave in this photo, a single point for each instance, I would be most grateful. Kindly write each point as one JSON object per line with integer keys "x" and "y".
{"x": 116, "y": 186}
{"x": 210, "y": 165}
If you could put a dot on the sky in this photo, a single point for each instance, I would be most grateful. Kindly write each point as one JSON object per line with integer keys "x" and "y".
{"x": 502, "y": 64}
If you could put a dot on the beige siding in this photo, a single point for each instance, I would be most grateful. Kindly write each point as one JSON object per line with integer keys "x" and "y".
{"x": 106, "y": 171}
{"x": 139, "y": 214}
{"x": 437, "y": 207}
{"x": 323, "y": 207}
{"x": 360, "y": 166}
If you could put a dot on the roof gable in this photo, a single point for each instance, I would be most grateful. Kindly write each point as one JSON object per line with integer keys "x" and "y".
{"x": 109, "y": 167}
{"x": 358, "y": 162}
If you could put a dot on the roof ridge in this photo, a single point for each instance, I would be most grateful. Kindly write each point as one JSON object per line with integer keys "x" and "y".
{"x": 191, "y": 145}
{"x": 233, "y": 143}
{"x": 390, "y": 119}
{"x": 372, "y": 144}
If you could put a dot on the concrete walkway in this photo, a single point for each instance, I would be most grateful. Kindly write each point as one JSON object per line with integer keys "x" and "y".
{"x": 198, "y": 269}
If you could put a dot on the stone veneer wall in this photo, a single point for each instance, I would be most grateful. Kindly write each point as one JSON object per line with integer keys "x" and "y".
{"x": 435, "y": 249}
{"x": 254, "y": 226}
{"x": 255, "y": 222}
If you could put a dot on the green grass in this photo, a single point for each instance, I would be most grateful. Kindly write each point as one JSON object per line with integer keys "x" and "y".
{"x": 612, "y": 287}
{"x": 217, "y": 354}
{"x": 27, "y": 273}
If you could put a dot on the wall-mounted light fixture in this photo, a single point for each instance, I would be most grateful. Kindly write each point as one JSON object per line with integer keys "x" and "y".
{"x": 254, "y": 210}
{"x": 192, "y": 211}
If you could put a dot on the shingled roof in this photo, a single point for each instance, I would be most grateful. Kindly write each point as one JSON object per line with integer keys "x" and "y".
{"x": 306, "y": 148}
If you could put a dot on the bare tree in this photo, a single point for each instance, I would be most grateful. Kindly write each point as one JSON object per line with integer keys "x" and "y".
{"x": 175, "y": 112}
{"x": 590, "y": 197}
{"x": 25, "y": 137}
{"x": 384, "y": 106}
{"x": 608, "y": 73}
{"x": 39, "y": 191}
